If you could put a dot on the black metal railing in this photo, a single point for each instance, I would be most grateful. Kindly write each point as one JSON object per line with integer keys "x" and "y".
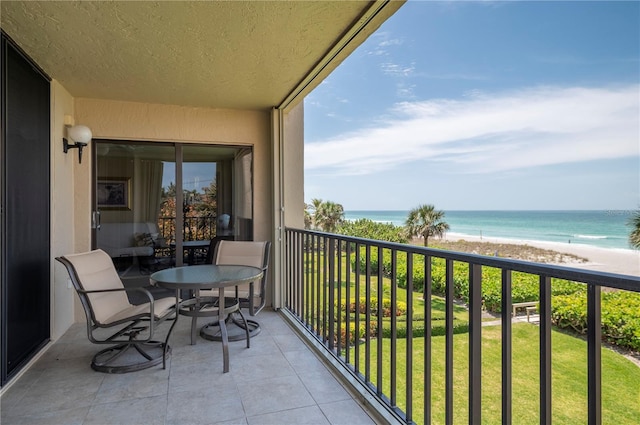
{"x": 329, "y": 287}
{"x": 194, "y": 228}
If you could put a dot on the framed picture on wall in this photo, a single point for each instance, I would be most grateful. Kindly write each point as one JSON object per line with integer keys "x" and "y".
{"x": 114, "y": 193}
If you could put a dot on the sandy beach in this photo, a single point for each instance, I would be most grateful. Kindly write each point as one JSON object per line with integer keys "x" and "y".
{"x": 621, "y": 261}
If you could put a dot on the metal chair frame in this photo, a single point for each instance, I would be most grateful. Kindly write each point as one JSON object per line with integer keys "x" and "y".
{"x": 127, "y": 336}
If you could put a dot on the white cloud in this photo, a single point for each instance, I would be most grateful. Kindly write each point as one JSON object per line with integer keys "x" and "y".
{"x": 397, "y": 70}
{"x": 488, "y": 133}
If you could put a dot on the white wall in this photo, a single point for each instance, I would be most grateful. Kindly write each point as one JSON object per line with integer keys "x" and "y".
{"x": 63, "y": 195}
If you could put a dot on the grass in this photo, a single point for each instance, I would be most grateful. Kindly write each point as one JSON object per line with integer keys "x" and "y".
{"x": 620, "y": 391}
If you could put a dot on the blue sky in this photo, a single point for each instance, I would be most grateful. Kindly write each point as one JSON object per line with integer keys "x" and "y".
{"x": 483, "y": 105}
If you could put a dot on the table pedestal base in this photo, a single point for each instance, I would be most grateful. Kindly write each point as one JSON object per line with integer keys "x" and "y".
{"x": 212, "y": 332}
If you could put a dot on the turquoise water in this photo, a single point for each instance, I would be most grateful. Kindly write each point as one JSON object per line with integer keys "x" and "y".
{"x": 605, "y": 229}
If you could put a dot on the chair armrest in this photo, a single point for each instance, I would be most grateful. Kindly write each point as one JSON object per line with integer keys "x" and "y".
{"x": 137, "y": 289}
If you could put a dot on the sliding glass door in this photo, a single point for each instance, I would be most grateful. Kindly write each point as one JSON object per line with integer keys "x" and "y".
{"x": 142, "y": 220}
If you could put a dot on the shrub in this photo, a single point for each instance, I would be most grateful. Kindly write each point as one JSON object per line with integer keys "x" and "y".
{"x": 620, "y": 316}
{"x": 401, "y": 307}
{"x": 369, "y": 229}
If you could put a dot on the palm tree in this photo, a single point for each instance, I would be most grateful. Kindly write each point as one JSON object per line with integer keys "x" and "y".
{"x": 329, "y": 215}
{"x": 426, "y": 221}
{"x": 634, "y": 236}
{"x": 311, "y": 210}
{"x": 323, "y": 215}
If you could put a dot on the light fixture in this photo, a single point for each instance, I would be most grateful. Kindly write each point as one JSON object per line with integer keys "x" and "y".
{"x": 81, "y": 135}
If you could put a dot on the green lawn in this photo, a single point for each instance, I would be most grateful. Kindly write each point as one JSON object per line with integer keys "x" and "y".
{"x": 620, "y": 378}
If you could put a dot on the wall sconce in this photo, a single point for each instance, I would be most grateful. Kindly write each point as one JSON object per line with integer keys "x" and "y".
{"x": 81, "y": 135}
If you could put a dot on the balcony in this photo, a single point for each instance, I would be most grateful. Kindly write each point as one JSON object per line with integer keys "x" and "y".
{"x": 309, "y": 366}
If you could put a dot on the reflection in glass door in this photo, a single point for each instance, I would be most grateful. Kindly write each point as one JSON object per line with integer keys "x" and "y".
{"x": 129, "y": 196}
{"x": 141, "y": 217}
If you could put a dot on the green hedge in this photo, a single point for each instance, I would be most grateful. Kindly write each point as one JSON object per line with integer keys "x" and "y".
{"x": 620, "y": 316}
{"x": 620, "y": 309}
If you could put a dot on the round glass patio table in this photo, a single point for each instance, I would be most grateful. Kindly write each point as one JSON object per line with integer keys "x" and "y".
{"x": 208, "y": 276}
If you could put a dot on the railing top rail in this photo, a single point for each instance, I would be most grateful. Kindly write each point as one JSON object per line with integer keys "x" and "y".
{"x": 609, "y": 280}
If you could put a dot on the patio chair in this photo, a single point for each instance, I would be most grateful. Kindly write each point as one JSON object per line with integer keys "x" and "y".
{"x": 107, "y": 309}
{"x": 252, "y": 296}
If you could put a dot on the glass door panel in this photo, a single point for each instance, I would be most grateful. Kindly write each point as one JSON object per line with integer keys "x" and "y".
{"x": 130, "y": 197}
{"x": 141, "y": 217}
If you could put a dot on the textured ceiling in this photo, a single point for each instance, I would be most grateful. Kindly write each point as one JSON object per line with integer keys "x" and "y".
{"x": 227, "y": 54}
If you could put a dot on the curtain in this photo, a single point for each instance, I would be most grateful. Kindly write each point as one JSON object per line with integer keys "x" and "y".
{"x": 147, "y": 190}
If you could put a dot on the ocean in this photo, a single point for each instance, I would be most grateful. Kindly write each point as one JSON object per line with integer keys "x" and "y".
{"x": 604, "y": 229}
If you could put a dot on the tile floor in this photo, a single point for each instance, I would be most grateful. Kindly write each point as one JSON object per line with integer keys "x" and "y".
{"x": 279, "y": 380}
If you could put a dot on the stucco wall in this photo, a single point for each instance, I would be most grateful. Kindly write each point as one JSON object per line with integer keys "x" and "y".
{"x": 63, "y": 193}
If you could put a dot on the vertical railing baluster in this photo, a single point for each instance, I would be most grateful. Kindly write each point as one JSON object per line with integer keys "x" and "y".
{"x": 308, "y": 270}
{"x": 297, "y": 288}
{"x": 332, "y": 287}
{"x": 545, "y": 350}
{"x": 338, "y": 306}
{"x": 300, "y": 280}
{"x": 347, "y": 301}
{"x": 325, "y": 280}
{"x": 379, "y": 355}
{"x": 356, "y": 351}
{"x": 594, "y": 338}
{"x": 367, "y": 292}
{"x": 394, "y": 342}
{"x": 316, "y": 290}
{"x": 290, "y": 288}
{"x": 287, "y": 272}
{"x": 409, "y": 352}
{"x": 475, "y": 344}
{"x": 449, "y": 296}
{"x": 312, "y": 283}
{"x": 506, "y": 306}
{"x": 426, "y": 291}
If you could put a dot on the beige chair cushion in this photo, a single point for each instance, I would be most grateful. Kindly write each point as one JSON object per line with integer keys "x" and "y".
{"x": 96, "y": 272}
{"x": 160, "y": 307}
{"x": 240, "y": 253}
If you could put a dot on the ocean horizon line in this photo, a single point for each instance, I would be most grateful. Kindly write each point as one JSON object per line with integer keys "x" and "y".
{"x": 601, "y": 228}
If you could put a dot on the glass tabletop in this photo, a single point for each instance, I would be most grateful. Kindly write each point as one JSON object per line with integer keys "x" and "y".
{"x": 205, "y": 276}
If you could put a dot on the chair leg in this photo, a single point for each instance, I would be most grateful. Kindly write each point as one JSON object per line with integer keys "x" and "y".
{"x": 245, "y": 327}
{"x": 143, "y": 356}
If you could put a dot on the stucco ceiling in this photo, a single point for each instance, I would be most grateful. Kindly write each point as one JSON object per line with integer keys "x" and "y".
{"x": 226, "y": 54}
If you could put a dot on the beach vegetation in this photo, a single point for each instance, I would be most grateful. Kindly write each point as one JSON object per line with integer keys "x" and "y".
{"x": 425, "y": 221}
{"x": 369, "y": 229}
{"x": 619, "y": 316}
{"x": 634, "y": 236}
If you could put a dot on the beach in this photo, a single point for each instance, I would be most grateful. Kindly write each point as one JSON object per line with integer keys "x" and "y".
{"x": 621, "y": 261}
